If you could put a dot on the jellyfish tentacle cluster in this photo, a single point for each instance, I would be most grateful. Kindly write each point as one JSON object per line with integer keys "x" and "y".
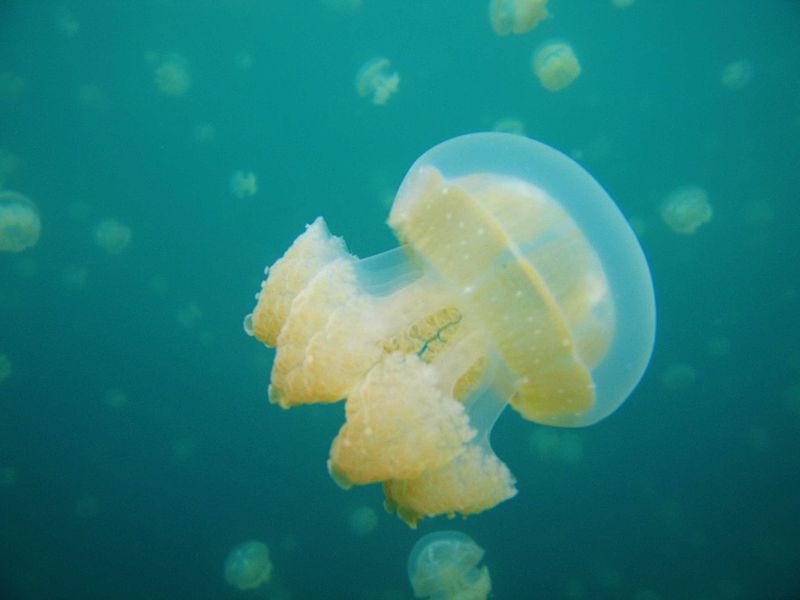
{"x": 495, "y": 296}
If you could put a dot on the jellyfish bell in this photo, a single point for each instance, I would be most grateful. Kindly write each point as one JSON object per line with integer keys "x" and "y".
{"x": 376, "y": 81}
{"x": 444, "y": 565}
{"x": 248, "y": 565}
{"x": 556, "y": 65}
{"x": 516, "y": 16}
{"x": 517, "y": 281}
{"x": 20, "y": 225}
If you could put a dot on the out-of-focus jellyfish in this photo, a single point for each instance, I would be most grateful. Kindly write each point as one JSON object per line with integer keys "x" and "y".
{"x": 516, "y": 16}
{"x": 86, "y": 507}
{"x": 678, "y": 376}
{"x": 517, "y": 281}
{"x": 556, "y": 65}
{"x": 8, "y": 477}
{"x": 737, "y": 74}
{"x": 686, "y": 209}
{"x": 363, "y": 520}
{"x": 115, "y": 399}
{"x": 10, "y": 165}
{"x": 172, "y": 75}
{"x": 19, "y": 222}
{"x": 376, "y": 81}
{"x": 248, "y": 565}
{"x": 5, "y": 367}
{"x": 509, "y": 125}
{"x": 12, "y": 86}
{"x": 556, "y": 446}
{"x": 244, "y": 184}
{"x": 444, "y": 566}
{"x": 112, "y": 236}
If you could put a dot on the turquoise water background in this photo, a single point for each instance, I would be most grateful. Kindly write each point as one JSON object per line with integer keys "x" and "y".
{"x": 690, "y": 490}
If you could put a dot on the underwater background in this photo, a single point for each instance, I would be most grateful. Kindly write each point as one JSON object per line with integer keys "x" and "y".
{"x": 137, "y": 445}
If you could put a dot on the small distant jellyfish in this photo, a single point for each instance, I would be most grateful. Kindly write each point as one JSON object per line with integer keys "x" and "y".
{"x": 244, "y": 184}
{"x": 112, "y": 236}
{"x": 686, "y": 209}
{"x": 19, "y": 222}
{"x": 509, "y": 125}
{"x": 172, "y": 75}
{"x": 363, "y": 520}
{"x": 248, "y": 565}
{"x": 374, "y": 80}
{"x": 516, "y": 16}
{"x": 5, "y": 367}
{"x": 556, "y": 66}
{"x": 737, "y": 74}
{"x": 444, "y": 565}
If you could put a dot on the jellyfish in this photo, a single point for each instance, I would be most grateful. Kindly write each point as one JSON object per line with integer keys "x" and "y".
{"x": 686, "y": 209}
{"x": 516, "y": 16}
{"x": 444, "y": 565}
{"x": 5, "y": 367}
{"x": 248, "y": 565}
{"x": 376, "y": 81}
{"x": 112, "y": 236}
{"x": 244, "y": 184}
{"x": 19, "y": 222}
{"x": 172, "y": 75}
{"x": 556, "y": 65}
{"x": 517, "y": 281}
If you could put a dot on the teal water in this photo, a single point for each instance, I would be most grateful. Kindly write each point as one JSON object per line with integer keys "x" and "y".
{"x": 137, "y": 446}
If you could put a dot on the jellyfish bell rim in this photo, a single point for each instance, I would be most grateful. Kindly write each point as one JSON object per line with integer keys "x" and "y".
{"x": 604, "y": 227}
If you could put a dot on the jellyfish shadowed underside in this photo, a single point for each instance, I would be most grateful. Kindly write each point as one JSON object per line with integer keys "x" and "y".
{"x": 517, "y": 281}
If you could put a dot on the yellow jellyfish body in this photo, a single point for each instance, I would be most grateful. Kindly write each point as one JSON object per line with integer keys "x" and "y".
{"x": 248, "y": 565}
{"x": 686, "y": 209}
{"x": 19, "y": 222}
{"x": 112, "y": 236}
{"x": 444, "y": 565}
{"x": 376, "y": 81}
{"x": 556, "y": 65}
{"x": 244, "y": 184}
{"x": 516, "y": 16}
{"x": 517, "y": 282}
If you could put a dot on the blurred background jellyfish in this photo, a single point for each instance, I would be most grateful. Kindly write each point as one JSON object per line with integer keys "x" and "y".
{"x": 686, "y": 209}
{"x": 376, "y": 81}
{"x": 244, "y": 184}
{"x": 112, "y": 236}
{"x": 444, "y": 566}
{"x": 5, "y": 367}
{"x": 737, "y": 74}
{"x": 556, "y": 66}
{"x": 363, "y": 520}
{"x": 516, "y": 16}
{"x": 19, "y": 222}
{"x": 172, "y": 75}
{"x": 518, "y": 282}
{"x": 248, "y": 565}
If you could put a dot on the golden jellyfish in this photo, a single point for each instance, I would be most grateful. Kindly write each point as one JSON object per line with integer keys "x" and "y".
{"x": 444, "y": 566}
{"x": 516, "y": 16}
{"x": 686, "y": 209}
{"x": 172, "y": 75}
{"x": 244, "y": 184}
{"x": 5, "y": 367}
{"x": 517, "y": 281}
{"x": 19, "y": 222}
{"x": 248, "y": 565}
{"x": 112, "y": 236}
{"x": 376, "y": 81}
{"x": 556, "y": 66}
